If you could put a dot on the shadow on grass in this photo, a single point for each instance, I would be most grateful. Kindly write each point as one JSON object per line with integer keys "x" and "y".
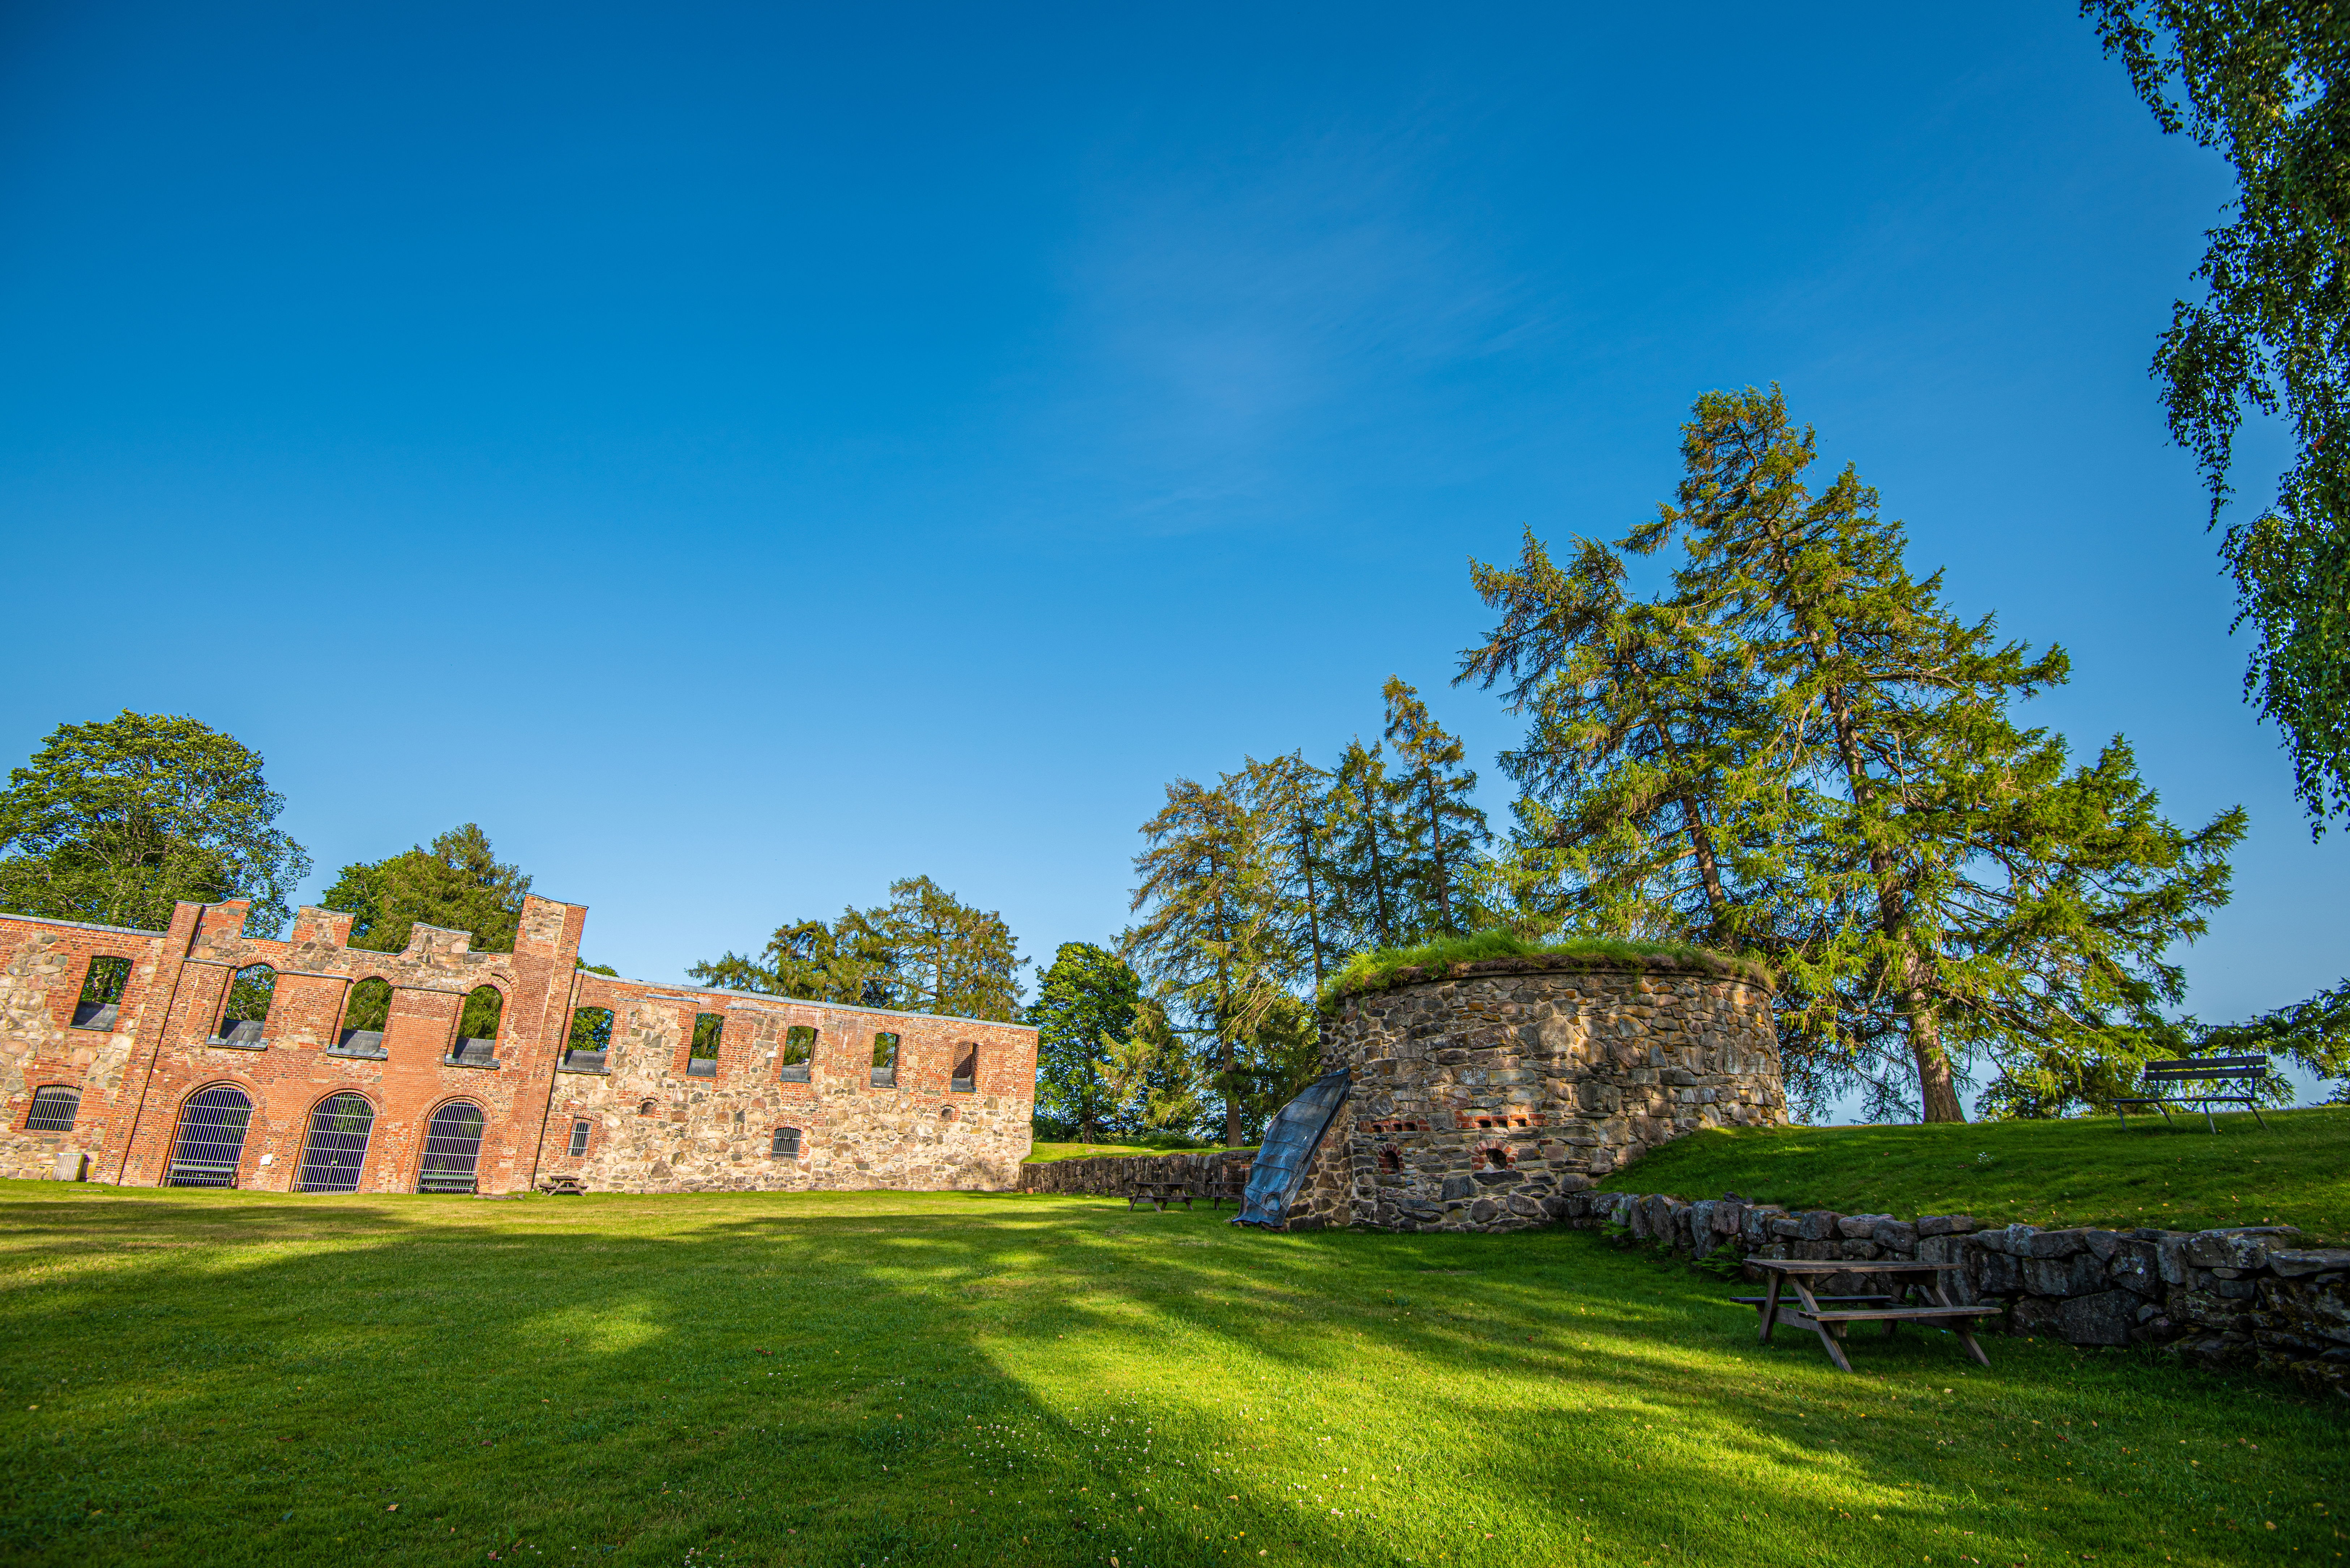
{"x": 859, "y": 1378}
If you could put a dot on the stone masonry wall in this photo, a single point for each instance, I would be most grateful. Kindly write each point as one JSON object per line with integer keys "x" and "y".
{"x": 1113, "y": 1176}
{"x": 2244, "y": 1296}
{"x": 1485, "y": 1094}
{"x": 651, "y": 1122}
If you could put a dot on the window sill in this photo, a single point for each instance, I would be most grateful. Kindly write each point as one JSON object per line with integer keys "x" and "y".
{"x": 789, "y": 1076}
{"x": 962, "y": 1086}
{"x": 695, "y": 1070}
{"x": 477, "y": 1066}
{"x": 98, "y": 1028}
{"x": 358, "y": 1055}
{"x": 586, "y": 1072}
{"x": 218, "y": 1043}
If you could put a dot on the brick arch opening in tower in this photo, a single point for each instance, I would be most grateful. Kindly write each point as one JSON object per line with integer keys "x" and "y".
{"x": 452, "y": 1148}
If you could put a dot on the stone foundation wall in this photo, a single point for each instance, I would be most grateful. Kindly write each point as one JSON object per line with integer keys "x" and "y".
{"x": 2240, "y": 1296}
{"x": 1487, "y": 1094}
{"x": 1112, "y": 1176}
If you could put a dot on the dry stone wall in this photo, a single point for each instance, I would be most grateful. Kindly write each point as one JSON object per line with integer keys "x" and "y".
{"x": 2247, "y": 1296}
{"x": 1114, "y": 1176}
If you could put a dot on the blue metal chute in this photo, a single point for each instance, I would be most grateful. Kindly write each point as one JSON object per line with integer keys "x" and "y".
{"x": 1289, "y": 1145}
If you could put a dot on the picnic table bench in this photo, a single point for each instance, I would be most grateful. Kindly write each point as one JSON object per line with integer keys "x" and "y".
{"x": 1157, "y": 1194}
{"x": 1829, "y": 1316}
{"x": 562, "y": 1186}
{"x": 2235, "y": 1080}
{"x": 1233, "y": 1184}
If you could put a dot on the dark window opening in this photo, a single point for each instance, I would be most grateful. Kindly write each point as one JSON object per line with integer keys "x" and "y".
{"x": 364, "y": 1016}
{"x": 210, "y": 1139}
{"x": 885, "y": 1061}
{"x": 799, "y": 1046}
{"x": 55, "y": 1107}
{"x": 966, "y": 1069}
{"x": 477, "y": 1028}
{"x": 649, "y": 1108}
{"x": 702, "y": 1061}
{"x": 1499, "y": 1159}
{"x": 453, "y": 1147}
{"x": 589, "y": 1049}
{"x": 101, "y": 992}
{"x": 1390, "y": 1161}
{"x": 946, "y": 1113}
{"x": 786, "y": 1144}
{"x": 246, "y": 1011}
{"x": 337, "y": 1145}
{"x": 579, "y": 1131}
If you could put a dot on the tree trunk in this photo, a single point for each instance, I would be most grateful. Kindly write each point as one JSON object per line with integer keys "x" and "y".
{"x": 1312, "y": 900}
{"x": 1937, "y": 1094}
{"x": 1436, "y": 848}
{"x": 1379, "y": 887}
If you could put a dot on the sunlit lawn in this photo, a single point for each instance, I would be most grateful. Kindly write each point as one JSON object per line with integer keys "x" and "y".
{"x": 2095, "y": 1170}
{"x": 221, "y": 1378}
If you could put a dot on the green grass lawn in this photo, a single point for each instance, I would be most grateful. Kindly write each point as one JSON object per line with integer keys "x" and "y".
{"x": 2086, "y": 1172}
{"x": 207, "y": 1379}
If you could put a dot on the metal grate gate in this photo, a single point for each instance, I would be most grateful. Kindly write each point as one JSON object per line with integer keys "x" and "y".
{"x": 337, "y": 1145}
{"x": 211, "y": 1140}
{"x": 452, "y": 1144}
{"x": 54, "y": 1109}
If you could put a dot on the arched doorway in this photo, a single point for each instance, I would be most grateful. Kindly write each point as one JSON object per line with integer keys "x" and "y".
{"x": 337, "y": 1145}
{"x": 210, "y": 1139}
{"x": 452, "y": 1146}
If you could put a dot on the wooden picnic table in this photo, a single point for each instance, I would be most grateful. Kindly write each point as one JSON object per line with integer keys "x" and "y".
{"x": 1159, "y": 1194}
{"x": 1828, "y": 1316}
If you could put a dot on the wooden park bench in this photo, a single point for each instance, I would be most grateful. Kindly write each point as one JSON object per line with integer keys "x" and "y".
{"x": 1232, "y": 1183}
{"x": 2233, "y": 1080}
{"x": 1157, "y": 1194}
{"x": 1831, "y": 1321}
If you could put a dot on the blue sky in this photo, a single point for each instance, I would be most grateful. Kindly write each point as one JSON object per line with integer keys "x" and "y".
{"x": 740, "y": 455}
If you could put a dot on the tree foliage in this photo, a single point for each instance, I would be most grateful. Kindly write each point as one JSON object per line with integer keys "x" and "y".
{"x": 2266, "y": 83}
{"x": 1802, "y": 752}
{"x": 116, "y": 820}
{"x": 923, "y": 951}
{"x": 458, "y": 884}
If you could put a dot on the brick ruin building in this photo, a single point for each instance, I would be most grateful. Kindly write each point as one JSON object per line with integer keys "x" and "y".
{"x": 201, "y": 1056}
{"x": 1480, "y": 1095}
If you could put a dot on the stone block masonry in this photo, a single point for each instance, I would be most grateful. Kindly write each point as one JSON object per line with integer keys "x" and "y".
{"x": 1484, "y": 1095}
{"x": 791, "y": 1100}
{"x": 2250, "y": 1295}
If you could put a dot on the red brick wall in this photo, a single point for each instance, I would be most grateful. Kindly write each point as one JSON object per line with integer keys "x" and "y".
{"x": 702, "y": 1134}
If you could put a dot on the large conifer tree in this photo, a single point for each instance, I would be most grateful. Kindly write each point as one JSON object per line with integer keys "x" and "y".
{"x": 1441, "y": 833}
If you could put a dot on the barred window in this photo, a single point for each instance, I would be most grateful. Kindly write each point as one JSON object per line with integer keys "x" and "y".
{"x": 579, "y": 1131}
{"x": 101, "y": 992}
{"x": 55, "y": 1107}
{"x": 885, "y": 1061}
{"x": 336, "y": 1147}
{"x": 702, "y": 1061}
{"x": 786, "y": 1144}
{"x": 966, "y": 1069}
{"x": 453, "y": 1147}
{"x": 210, "y": 1139}
{"x": 799, "y": 1046}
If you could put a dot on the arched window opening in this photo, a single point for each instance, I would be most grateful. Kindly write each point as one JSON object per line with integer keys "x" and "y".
{"x": 365, "y": 1014}
{"x": 649, "y": 1108}
{"x": 702, "y": 1061}
{"x": 800, "y": 1048}
{"x": 966, "y": 1069}
{"x": 1390, "y": 1162}
{"x": 55, "y": 1107}
{"x": 946, "y": 1113}
{"x": 101, "y": 992}
{"x": 246, "y": 1011}
{"x": 477, "y": 1028}
{"x": 453, "y": 1147}
{"x": 885, "y": 1061}
{"x": 786, "y": 1144}
{"x": 210, "y": 1139}
{"x": 589, "y": 1049}
{"x": 579, "y": 1131}
{"x": 1498, "y": 1157}
{"x": 337, "y": 1145}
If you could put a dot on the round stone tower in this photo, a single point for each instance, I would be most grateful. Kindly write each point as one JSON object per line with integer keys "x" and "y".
{"x": 1483, "y": 1094}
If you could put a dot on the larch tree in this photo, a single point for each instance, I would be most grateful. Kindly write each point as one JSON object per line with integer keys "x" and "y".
{"x": 1367, "y": 892}
{"x": 1441, "y": 832}
{"x": 1295, "y": 796}
{"x": 1967, "y": 890}
{"x": 116, "y": 820}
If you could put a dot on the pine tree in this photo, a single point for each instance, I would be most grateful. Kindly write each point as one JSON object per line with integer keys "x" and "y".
{"x": 1441, "y": 832}
{"x": 1213, "y": 937}
{"x": 1296, "y": 797}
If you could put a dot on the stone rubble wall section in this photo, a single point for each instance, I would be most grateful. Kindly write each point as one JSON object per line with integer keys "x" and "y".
{"x": 1113, "y": 1176}
{"x": 2239, "y": 1296}
{"x": 653, "y": 1123}
{"x": 1484, "y": 1096}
